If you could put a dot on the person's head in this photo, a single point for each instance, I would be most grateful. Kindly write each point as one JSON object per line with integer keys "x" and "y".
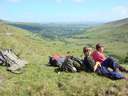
{"x": 99, "y": 47}
{"x": 52, "y": 61}
{"x": 87, "y": 51}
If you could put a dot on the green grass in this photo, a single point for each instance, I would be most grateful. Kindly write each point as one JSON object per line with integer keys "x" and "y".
{"x": 38, "y": 79}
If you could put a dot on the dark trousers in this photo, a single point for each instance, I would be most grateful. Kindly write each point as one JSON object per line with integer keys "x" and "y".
{"x": 111, "y": 63}
{"x": 110, "y": 74}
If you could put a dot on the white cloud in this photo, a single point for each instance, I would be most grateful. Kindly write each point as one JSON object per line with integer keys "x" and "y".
{"x": 120, "y": 10}
{"x": 14, "y": 1}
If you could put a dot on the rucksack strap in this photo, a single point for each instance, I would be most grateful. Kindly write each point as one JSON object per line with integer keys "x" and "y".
{"x": 3, "y": 58}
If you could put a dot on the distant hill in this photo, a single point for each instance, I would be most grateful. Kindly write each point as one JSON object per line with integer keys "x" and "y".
{"x": 54, "y": 30}
{"x": 119, "y": 22}
{"x": 22, "y": 41}
{"x": 113, "y": 35}
{"x": 1, "y": 20}
{"x": 115, "y": 31}
{"x": 34, "y": 27}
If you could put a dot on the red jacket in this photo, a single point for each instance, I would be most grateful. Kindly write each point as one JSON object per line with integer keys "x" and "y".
{"x": 98, "y": 56}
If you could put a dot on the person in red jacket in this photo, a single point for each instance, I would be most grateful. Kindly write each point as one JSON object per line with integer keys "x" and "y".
{"x": 99, "y": 56}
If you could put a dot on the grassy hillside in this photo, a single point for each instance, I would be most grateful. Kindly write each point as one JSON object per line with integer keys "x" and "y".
{"x": 38, "y": 79}
{"x": 119, "y": 22}
{"x": 113, "y": 35}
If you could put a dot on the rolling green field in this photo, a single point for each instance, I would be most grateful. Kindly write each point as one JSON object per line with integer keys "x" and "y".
{"x": 38, "y": 79}
{"x": 54, "y": 30}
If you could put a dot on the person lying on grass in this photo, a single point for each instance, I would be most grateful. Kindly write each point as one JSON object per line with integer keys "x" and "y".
{"x": 66, "y": 63}
{"x": 96, "y": 66}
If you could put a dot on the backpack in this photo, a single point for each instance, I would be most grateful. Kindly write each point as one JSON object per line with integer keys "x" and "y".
{"x": 72, "y": 64}
{"x": 9, "y": 59}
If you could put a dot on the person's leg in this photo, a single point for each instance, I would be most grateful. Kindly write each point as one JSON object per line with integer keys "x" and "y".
{"x": 110, "y": 74}
{"x": 122, "y": 69}
{"x": 113, "y": 64}
{"x": 103, "y": 71}
{"x": 116, "y": 76}
{"x": 110, "y": 63}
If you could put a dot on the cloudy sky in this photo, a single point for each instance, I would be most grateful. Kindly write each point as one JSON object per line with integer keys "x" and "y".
{"x": 63, "y": 10}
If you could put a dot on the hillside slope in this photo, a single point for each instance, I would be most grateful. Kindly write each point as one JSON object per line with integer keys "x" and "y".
{"x": 119, "y": 22}
{"x": 17, "y": 39}
{"x": 38, "y": 79}
{"x": 113, "y": 35}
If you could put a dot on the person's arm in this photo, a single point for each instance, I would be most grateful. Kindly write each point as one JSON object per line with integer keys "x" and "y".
{"x": 98, "y": 64}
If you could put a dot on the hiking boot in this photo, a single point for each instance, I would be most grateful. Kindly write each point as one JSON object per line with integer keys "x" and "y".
{"x": 125, "y": 78}
{"x": 122, "y": 69}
